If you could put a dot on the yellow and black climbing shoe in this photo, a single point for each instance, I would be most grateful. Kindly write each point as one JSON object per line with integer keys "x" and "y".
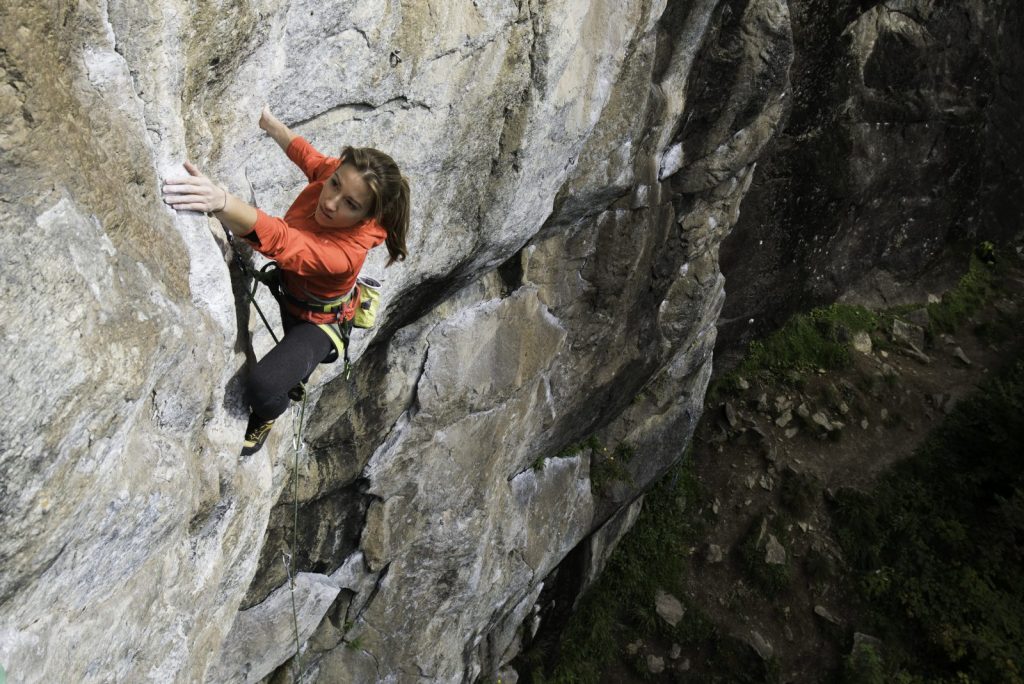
{"x": 255, "y": 434}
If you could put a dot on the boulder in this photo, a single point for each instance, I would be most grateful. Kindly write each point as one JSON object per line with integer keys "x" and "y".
{"x": 668, "y": 607}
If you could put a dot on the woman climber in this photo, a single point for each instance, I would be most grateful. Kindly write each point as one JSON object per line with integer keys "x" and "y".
{"x": 350, "y": 205}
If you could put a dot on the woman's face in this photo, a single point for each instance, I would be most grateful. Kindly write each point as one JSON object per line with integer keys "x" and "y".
{"x": 344, "y": 200}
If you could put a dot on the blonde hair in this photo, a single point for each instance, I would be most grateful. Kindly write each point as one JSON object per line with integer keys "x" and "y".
{"x": 389, "y": 193}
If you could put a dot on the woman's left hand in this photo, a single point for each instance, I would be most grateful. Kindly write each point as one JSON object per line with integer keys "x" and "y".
{"x": 194, "y": 192}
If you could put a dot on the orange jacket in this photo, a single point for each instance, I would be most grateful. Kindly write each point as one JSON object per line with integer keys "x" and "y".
{"x": 315, "y": 262}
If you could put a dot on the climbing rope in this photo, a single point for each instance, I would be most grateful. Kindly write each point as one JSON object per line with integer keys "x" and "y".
{"x": 288, "y": 558}
{"x": 296, "y": 448}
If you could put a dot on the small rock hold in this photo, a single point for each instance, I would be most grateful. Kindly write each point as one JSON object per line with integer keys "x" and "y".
{"x": 655, "y": 664}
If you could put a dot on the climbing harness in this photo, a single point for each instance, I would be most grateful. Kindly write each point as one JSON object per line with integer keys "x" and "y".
{"x": 344, "y": 309}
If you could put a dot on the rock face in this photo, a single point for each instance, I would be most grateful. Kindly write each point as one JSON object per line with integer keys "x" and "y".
{"x": 542, "y": 356}
{"x": 901, "y": 151}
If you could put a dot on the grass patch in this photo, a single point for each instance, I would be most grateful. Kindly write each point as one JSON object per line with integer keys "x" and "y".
{"x": 770, "y": 579}
{"x": 974, "y": 290}
{"x": 818, "y": 339}
{"x": 619, "y": 608}
{"x": 937, "y": 548}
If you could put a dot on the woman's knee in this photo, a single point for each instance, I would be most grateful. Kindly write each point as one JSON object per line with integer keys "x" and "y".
{"x": 265, "y": 396}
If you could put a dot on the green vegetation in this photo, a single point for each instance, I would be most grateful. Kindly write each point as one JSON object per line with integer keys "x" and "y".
{"x": 818, "y": 339}
{"x": 770, "y": 579}
{"x": 863, "y": 666}
{"x": 605, "y": 466}
{"x": 975, "y": 289}
{"x": 938, "y": 547}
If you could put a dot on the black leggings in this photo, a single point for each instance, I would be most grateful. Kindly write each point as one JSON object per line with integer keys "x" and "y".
{"x": 292, "y": 360}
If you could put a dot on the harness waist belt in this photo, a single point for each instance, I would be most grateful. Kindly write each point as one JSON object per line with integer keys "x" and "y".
{"x": 321, "y": 306}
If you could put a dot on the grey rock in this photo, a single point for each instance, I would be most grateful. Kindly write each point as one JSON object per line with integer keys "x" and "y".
{"x": 959, "y": 355}
{"x": 714, "y": 554}
{"x": 263, "y": 637}
{"x": 804, "y": 411}
{"x": 826, "y": 615}
{"x": 784, "y": 420}
{"x": 822, "y": 421}
{"x": 761, "y": 645}
{"x": 791, "y": 432}
{"x": 675, "y": 651}
{"x": 775, "y": 552}
{"x": 534, "y": 135}
{"x": 862, "y": 342}
{"x": 730, "y": 415}
{"x": 655, "y": 664}
{"x": 920, "y": 318}
{"x": 668, "y": 607}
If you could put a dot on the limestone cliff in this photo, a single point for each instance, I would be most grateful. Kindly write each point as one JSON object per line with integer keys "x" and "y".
{"x": 542, "y": 356}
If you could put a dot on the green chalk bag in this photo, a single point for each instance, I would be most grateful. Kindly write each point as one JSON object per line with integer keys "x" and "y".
{"x": 369, "y": 302}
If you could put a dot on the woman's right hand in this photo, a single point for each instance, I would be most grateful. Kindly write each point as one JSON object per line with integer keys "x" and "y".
{"x": 281, "y": 134}
{"x": 267, "y": 120}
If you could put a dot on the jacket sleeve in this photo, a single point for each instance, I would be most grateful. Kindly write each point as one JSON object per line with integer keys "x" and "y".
{"x": 299, "y": 252}
{"x": 307, "y": 158}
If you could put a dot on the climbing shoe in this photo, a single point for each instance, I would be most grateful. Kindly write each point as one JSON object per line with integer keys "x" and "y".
{"x": 255, "y": 434}
{"x": 297, "y": 393}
